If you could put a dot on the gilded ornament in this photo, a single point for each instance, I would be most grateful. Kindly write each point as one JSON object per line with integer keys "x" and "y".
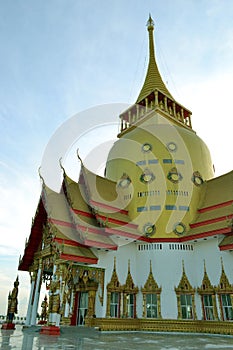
{"x": 146, "y": 147}
{"x": 179, "y": 228}
{"x": 174, "y": 176}
{"x": 197, "y": 178}
{"x": 147, "y": 176}
{"x": 171, "y": 146}
{"x": 149, "y": 229}
{"x": 124, "y": 181}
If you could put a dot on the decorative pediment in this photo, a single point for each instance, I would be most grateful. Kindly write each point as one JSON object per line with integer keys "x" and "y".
{"x": 47, "y": 235}
{"x": 114, "y": 284}
{"x": 151, "y": 285}
{"x": 184, "y": 286}
{"x": 129, "y": 286}
{"x": 206, "y": 286}
{"x": 224, "y": 285}
{"x": 92, "y": 275}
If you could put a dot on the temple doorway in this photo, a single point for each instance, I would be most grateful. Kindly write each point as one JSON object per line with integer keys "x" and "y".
{"x": 82, "y": 308}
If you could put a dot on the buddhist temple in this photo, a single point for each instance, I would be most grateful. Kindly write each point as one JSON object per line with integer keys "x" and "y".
{"x": 148, "y": 246}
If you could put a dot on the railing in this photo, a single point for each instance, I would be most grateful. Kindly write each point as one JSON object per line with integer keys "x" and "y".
{"x": 156, "y": 100}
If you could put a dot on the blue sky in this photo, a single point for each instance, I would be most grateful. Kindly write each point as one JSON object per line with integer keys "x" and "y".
{"x": 59, "y": 57}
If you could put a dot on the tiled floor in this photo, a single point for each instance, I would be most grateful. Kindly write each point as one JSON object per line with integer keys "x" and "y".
{"x": 89, "y": 339}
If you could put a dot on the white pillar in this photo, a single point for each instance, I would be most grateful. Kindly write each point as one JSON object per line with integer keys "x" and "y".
{"x": 28, "y": 339}
{"x": 36, "y": 296}
{"x": 67, "y": 309}
{"x": 71, "y": 301}
{"x": 29, "y": 310}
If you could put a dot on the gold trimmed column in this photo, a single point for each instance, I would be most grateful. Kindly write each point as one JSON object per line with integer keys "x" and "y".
{"x": 91, "y": 303}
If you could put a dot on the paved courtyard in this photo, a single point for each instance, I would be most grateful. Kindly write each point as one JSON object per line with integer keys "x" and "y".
{"x": 88, "y": 339}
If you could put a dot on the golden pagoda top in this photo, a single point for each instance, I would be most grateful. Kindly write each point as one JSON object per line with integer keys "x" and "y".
{"x": 154, "y": 96}
{"x": 153, "y": 78}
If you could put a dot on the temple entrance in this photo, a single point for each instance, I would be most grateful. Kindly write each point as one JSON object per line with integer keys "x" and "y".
{"x": 84, "y": 293}
{"x": 82, "y": 308}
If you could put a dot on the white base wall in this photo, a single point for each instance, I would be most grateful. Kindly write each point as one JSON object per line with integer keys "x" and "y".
{"x": 166, "y": 259}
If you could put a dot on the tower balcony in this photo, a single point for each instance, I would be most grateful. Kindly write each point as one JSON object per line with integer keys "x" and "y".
{"x": 156, "y": 101}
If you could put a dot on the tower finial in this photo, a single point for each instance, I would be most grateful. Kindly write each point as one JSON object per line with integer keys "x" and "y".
{"x": 150, "y": 23}
{"x": 204, "y": 266}
{"x": 183, "y": 266}
{"x": 150, "y": 267}
{"x": 153, "y": 80}
{"x": 222, "y": 263}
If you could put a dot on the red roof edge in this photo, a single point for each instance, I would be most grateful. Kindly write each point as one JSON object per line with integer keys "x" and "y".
{"x": 106, "y": 206}
{"x": 226, "y": 247}
{"x": 81, "y": 259}
{"x": 225, "y": 230}
{"x": 211, "y": 221}
{"x": 215, "y": 206}
{"x": 34, "y": 238}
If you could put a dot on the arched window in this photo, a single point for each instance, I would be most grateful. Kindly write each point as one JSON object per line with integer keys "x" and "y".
{"x": 151, "y": 297}
{"x": 185, "y": 298}
{"x": 208, "y": 299}
{"x": 113, "y": 295}
{"x": 224, "y": 291}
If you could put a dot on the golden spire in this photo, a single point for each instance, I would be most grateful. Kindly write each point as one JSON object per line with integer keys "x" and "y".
{"x": 150, "y": 267}
{"x": 153, "y": 78}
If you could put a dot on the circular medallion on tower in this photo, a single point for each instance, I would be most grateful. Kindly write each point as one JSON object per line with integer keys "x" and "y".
{"x": 174, "y": 176}
{"x": 197, "y": 178}
{"x": 124, "y": 181}
{"x": 149, "y": 229}
{"x": 147, "y": 176}
{"x": 179, "y": 228}
{"x": 146, "y": 147}
{"x": 171, "y": 146}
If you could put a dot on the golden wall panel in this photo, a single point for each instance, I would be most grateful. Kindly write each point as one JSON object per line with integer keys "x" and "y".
{"x": 150, "y": 325}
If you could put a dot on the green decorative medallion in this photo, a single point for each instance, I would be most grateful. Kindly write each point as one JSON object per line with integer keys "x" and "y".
{"x": 147, "y": 176}
{"x": 179, "y": 228}
{"x": 171, "y": 146}
{"x": 124, "y": 181}
{"x": 197, "y": 178}
{"x": 174, "y": 176}
{"x": 146, "y": 147}
{"x": 149, "y": 229}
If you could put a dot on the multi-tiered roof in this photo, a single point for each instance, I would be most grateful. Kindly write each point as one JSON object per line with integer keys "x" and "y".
{"x": 80, "y": 220}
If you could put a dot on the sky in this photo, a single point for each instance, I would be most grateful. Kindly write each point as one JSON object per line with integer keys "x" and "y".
{"x": 61, "y": 57}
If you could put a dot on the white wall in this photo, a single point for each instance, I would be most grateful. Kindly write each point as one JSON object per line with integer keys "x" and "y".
{"x": 167, "y": 270}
